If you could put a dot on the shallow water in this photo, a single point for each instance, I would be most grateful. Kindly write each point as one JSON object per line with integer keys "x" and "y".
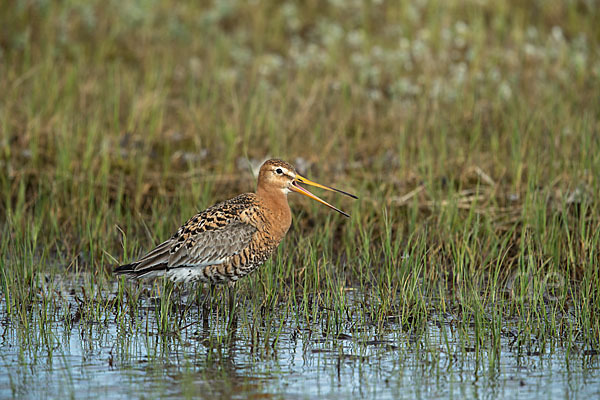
{"x": 290, "y": 359}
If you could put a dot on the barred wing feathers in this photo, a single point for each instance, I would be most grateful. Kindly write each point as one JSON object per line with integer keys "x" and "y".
{"x": 208, "y": 238}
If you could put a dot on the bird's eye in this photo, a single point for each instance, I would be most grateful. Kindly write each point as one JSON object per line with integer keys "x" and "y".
{"x": 279, "y": 171}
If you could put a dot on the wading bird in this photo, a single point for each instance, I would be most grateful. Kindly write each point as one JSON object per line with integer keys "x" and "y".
{"x": 229, "y": 240}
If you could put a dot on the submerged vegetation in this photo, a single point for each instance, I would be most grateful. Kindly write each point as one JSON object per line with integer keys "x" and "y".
{"x": 469, "y": 130}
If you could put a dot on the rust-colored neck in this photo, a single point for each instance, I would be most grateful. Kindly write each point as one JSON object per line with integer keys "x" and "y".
{"x": 277, "y": 209}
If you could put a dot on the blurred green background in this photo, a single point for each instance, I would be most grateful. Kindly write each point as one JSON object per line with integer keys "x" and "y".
{"x": 132, "y": 115}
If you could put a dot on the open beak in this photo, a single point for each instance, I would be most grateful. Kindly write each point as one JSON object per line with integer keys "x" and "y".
{"x": 299, "y": 189}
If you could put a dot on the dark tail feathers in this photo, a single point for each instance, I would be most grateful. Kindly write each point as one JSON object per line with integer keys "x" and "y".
{"x": 126, "y": 269}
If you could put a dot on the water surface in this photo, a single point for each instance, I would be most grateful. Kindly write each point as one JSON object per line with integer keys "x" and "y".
{"x": 284, "y": 357}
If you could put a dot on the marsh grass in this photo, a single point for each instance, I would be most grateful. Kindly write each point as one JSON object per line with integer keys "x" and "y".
{"x": 470, "y": 134}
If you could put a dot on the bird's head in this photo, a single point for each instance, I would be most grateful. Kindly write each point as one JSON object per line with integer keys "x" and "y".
{"x": 278, "y": 174}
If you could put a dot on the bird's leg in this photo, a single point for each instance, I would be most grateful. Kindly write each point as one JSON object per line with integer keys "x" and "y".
{"x": 232, "y": 303}
{"x": 205, "y": 305}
